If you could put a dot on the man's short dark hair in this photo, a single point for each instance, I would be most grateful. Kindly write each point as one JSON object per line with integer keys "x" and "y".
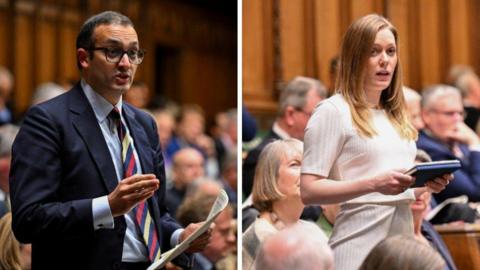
{"x": 84, "y": 38}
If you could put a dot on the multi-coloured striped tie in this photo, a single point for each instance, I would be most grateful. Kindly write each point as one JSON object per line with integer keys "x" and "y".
{"x": 142, "y": 215}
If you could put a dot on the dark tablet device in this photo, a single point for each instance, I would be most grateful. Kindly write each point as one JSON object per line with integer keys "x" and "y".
{"x": 429, "y": 170}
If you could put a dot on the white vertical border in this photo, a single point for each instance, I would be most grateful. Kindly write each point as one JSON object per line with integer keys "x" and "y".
{"x": 239, "y": 133}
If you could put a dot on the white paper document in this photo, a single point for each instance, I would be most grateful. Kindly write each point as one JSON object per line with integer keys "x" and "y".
{"x": 220, "y": 204}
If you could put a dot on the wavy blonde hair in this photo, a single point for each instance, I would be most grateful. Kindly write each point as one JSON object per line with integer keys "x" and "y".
{"x": 265, "y": 189}
{"x": 355, "y": 51}
{"x": 9, "y": 246}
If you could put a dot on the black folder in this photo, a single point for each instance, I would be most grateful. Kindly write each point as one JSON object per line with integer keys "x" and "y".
{"x": 429, "y": 170}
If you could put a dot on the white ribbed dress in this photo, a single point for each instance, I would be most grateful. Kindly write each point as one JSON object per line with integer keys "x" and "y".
{"x": 334, "y": 149}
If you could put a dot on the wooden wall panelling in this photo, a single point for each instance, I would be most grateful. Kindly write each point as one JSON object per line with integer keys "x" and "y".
{"x": 147, "y": 69}
{"x": 46, "y": 44}
{"x": 212, "y": 95}
{"x": 24, "y": 54}
{"x": 292, "y": 39}
{"x": 68, "y": 27}
{"x": 310, "y": 52}
{"x": 327, "y": 38}
{"x": 365, "y": 7}
{"x": 430, "y": 42}
{"x": 4, "y": 35}
{"x": 474, "y": 46}
{"x": 458, "y": 31}
{"x": 132, "y": 10}
{"x": 398, "y": 13}
{"x": 95, "y": 6}
{"x": 258, "y": 57}
{"x": 201, "y": 47}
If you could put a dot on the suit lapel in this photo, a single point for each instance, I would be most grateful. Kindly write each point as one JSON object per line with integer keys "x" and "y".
{"x": 86, "y": 124}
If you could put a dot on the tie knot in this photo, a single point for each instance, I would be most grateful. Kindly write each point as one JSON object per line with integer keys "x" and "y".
{"x": 114, "y": 114}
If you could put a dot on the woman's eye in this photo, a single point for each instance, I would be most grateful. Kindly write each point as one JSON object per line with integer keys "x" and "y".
{"x": 391, "y": 51}
{"x": 295, "y": 164}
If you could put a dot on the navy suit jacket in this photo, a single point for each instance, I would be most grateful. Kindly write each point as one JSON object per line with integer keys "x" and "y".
{"x": 467, "y": 179}
{"x": 60, "y": 162}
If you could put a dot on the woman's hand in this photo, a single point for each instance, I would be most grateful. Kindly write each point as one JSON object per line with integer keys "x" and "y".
{"x": 438, "y": 184}
{"x": 392, "y": 182}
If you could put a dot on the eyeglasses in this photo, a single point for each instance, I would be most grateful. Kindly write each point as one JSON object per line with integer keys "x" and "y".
{"x": 450, "y": 114}
{"x": 308, "y": 114}
{"x": 114, "y": 55}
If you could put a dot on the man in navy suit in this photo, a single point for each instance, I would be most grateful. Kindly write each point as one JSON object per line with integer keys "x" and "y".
{"x": 295, "y": 106}
{"x": 447, "y": 137}
{"x": 70, "y": 196}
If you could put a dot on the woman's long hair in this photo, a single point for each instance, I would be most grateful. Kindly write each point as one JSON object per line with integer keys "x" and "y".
{"x": 9, "y": 246}
{"x": 355, "y": 51}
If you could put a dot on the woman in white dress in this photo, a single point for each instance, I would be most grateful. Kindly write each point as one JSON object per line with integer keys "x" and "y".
{"x": 359, "y": 142}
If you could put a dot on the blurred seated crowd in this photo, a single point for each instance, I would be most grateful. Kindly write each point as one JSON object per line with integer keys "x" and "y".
{"x": 198, "y": 165}
{"x": 275, "y": 220}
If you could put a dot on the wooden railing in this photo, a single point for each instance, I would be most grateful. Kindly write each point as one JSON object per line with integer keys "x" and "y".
{"x": 463, "y": 241}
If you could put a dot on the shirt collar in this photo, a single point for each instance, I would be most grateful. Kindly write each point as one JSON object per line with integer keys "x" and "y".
{"x": 101, "y": 107}
{"x": 203, "y": 261}
{"x": 280, "y": 132}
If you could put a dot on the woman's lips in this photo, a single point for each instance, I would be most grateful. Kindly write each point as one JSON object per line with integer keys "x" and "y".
{"x": 383, "y": 75}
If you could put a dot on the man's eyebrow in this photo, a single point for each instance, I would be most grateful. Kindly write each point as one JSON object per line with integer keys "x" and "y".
{"x": 111, "y": 41}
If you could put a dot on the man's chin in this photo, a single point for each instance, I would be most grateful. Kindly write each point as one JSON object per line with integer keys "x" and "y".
{"x": 121, "y": 88}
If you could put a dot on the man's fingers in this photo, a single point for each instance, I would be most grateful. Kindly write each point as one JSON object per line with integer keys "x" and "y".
{"x": 138, "y": 177}
{"x": 145, "y": 184}
{"x": 139, "y": 196}
{"x": 135, "y": 187}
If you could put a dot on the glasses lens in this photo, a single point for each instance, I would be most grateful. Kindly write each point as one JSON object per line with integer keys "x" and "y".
{"x": 113, "y": 54}
{"x": 135, "y": 56}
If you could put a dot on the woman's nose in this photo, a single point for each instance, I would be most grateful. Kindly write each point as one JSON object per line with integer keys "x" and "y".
{"x": 383, "y": 58}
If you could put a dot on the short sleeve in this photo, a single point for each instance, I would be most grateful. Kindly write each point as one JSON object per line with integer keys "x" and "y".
{"x": 323, "y": 140}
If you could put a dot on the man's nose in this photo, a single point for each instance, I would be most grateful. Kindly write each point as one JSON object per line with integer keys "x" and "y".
{"x": 124, "y": 60}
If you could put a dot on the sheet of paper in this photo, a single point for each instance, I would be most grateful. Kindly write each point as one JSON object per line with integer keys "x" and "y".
{"x": 220, "y": 203}
{"x": 460, "y": 199}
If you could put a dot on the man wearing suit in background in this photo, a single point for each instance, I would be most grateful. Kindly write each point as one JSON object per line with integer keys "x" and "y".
{"x": 296, "y": 104}
{"x": 447, "y": 137}
{"x": 87, "y": 178}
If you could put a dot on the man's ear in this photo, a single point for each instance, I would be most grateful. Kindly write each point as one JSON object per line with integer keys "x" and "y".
{"x": 82, "y": 56}
{"x": 426, "y": 116}
{"x": 289, "y": 119}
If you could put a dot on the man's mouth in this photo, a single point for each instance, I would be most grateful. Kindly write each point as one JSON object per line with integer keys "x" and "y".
{"x": 122, "y": 78}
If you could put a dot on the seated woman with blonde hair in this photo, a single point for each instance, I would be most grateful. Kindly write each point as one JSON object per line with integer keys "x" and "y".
{"x": 13, "y": 255}
{"x": 276, "y": 194}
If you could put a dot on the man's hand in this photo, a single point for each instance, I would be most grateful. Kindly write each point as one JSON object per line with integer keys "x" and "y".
{"x": 130, "y": 191}
{"x": 201, "y": 242}
{"x": 464, "y": 134}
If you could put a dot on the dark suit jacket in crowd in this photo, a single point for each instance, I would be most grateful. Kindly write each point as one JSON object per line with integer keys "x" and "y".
{"x": 60, "y": 162}
{"x": 467, "y": 179}
{"x": 437, "y": 242}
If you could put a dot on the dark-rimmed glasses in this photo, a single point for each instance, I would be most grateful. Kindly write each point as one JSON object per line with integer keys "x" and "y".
{"x": 114, "y": 55}
{"x": 308, "y": 114}
{"x": 450, "y": 114}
